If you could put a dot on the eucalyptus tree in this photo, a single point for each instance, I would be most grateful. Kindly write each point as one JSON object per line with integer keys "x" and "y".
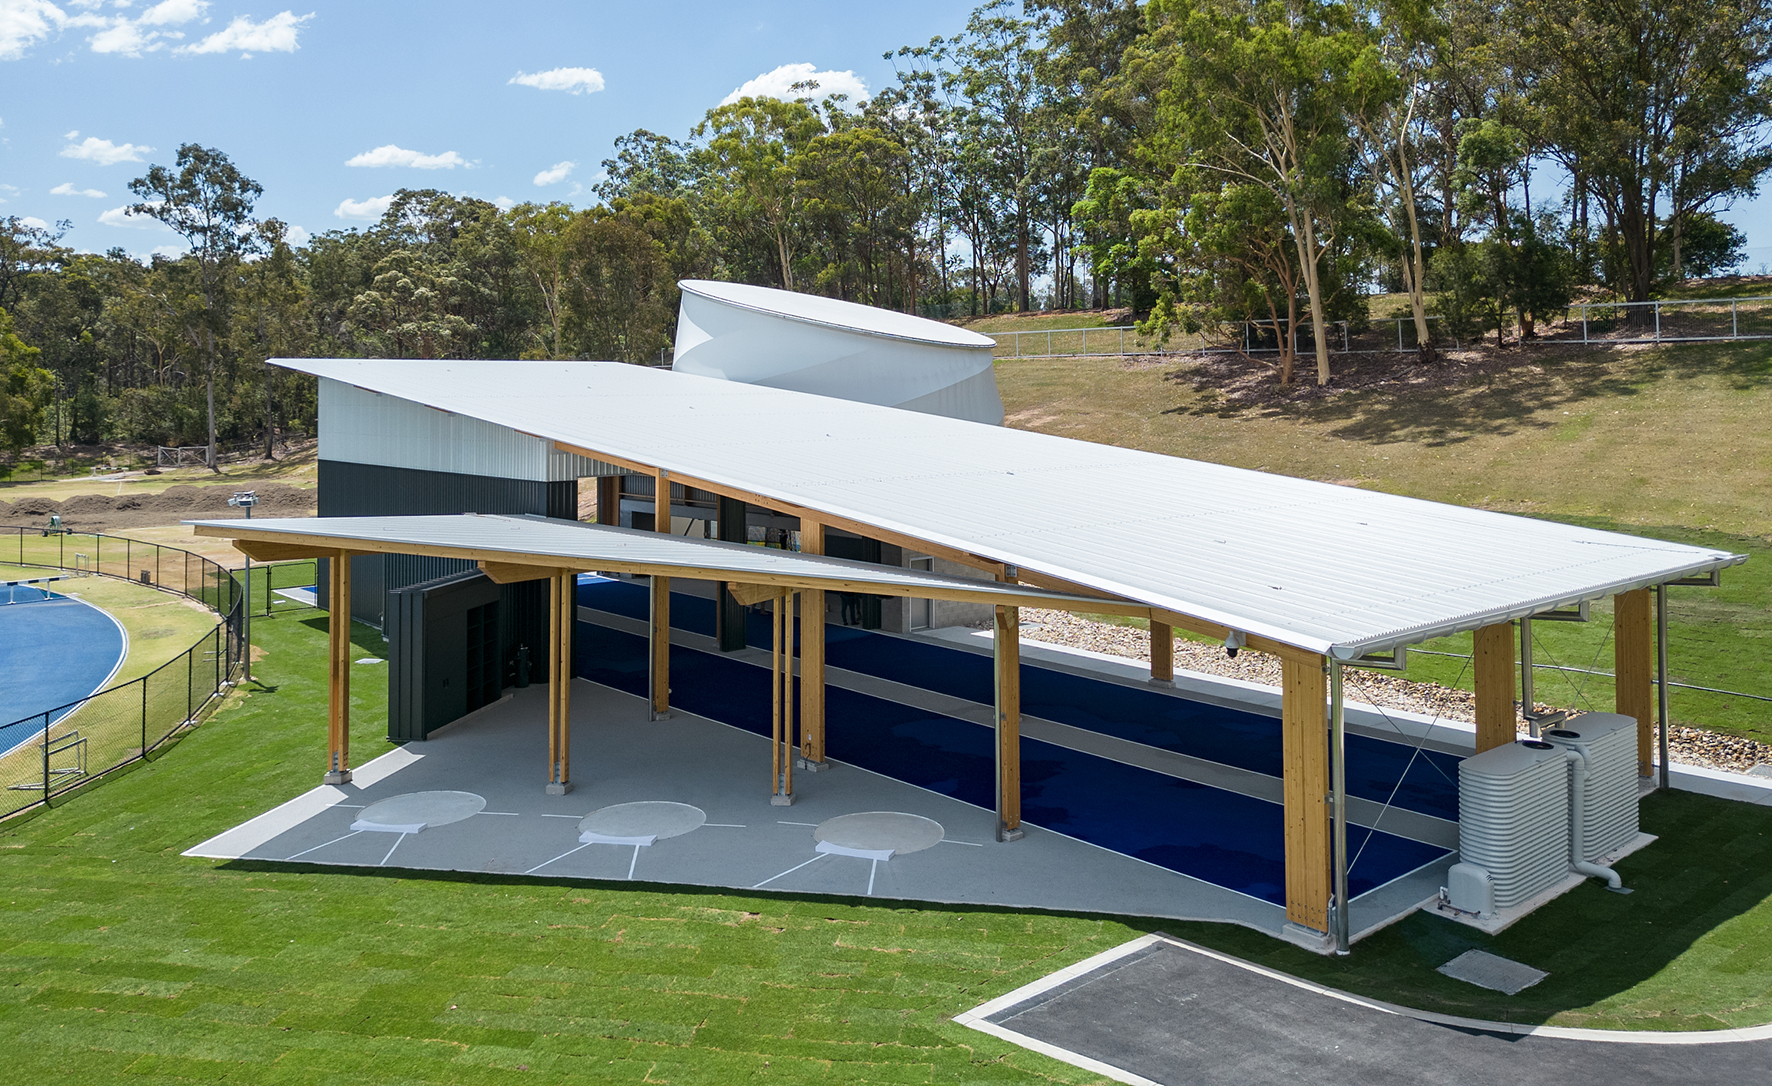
{"x": 1262, "y": 94}
{"x": 1661, "y": 110}
{"x": 25, "y": 390}
{"x": 750, "y": 163}
{"x": 208, "y": 202}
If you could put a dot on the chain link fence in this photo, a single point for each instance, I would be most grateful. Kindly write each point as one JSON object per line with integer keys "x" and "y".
{"x": 48, "y": 753}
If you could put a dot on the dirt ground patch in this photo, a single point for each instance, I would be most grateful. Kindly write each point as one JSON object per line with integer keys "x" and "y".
{"x": 108, "y": 513}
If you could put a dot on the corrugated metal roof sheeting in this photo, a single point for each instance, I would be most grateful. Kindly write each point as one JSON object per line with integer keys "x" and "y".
{"x": 1324, "y": 567}
{"x": 599, "y": 546}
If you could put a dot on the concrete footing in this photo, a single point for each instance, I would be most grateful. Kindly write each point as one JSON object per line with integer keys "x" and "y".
{"x": 560, "y": 788}
{"x": 811, "y": 767}
{"x": 779, "y": 800}
{"x": 337, "y": 776}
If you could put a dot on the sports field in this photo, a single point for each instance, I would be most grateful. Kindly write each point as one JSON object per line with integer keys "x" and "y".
{"x": 54, "y": 650}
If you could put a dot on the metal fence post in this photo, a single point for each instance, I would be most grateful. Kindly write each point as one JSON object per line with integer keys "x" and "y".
{"x": 145, "y": 715}
{"x": 1734, "y": 320}
{"x": 190, "y": 677}
{"x": 46, "y": 757}
{"x": 1657, "y": 306}
{"x": 1584, "y": 325}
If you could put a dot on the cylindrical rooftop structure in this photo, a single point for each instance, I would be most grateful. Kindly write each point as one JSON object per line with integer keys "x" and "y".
{"x": 806, "y": 343}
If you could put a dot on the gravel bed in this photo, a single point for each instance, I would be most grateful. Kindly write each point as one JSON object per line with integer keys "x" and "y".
{"x": 1687, "y": 746}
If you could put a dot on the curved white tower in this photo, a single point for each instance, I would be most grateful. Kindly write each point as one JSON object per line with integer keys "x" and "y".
{"x": 806, "y": 343}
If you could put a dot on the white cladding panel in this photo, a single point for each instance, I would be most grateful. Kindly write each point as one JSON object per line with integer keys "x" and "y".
{"x": 358, "y": 426}
{"x": 878, "y": 358}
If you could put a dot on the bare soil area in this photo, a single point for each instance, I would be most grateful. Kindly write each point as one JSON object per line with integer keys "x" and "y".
{"x": 108, "y": 513}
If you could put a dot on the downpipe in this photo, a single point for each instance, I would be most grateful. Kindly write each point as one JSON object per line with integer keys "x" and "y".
{"x": 1578, "y": 835}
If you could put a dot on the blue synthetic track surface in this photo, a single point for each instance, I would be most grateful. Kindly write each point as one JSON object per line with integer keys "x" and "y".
{"x": 1209, "y": 833}
{"x": 53, "y": 652}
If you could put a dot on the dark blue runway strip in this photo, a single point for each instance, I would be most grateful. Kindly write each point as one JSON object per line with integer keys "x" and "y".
{"x": 53, "y": 651}
{"x": 1233, "y": 737}
{"x": 1221, "y": 837}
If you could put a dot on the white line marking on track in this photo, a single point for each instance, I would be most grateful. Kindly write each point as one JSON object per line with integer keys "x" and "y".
{"x": 635, "y": 862}
{"x": 391, "y": 848}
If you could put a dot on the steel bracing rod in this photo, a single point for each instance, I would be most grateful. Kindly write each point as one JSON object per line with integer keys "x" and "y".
{"x": 1661, "y": 676}
{"x": 1338, "y": 786}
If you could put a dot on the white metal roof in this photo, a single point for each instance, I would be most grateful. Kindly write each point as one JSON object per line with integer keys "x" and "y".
{"x": 1326, "y": 568}
{"x": 599, "y": 546}
{"x": 835, "y": 313}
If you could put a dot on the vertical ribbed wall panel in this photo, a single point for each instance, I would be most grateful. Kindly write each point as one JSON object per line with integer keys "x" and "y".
{"x": 355, "y": 490}
{"x": 362, "y": 427}
{"x": 1513, "y": 818}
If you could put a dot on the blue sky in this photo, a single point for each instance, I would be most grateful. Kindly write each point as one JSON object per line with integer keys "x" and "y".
{"x": 511, "y": 102}
{"x": 418, "y": 94}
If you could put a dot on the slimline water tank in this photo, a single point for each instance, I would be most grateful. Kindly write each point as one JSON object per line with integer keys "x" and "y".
{"x": 1513, "y": 826}
{"x": 1610, "y": 803}
{"x": 807, "y": 343}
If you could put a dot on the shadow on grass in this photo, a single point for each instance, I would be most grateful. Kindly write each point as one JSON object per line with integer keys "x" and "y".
{"x": 1614, "y": 961}
{"x": 367, "y": 638}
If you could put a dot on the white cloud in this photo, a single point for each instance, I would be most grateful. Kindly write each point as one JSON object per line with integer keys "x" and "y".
{"x": 503, "y": 203}
{"x": 570, "y": 80}
{"x": 390, "y": 155}
{"x": 275, "y": 35}
{"x": 780, "y": 82}
{"x": 365, "y": 210}
{"x": 170, "y": 252}
{"x": 32, "y": 220}
{"x": 172, "y": 12}
{"x": 66, "y": 188}
{"x": 122, "y": 216}
{"x": 555, "y": 173}
{"x": 297, "y": 236}
{"x": 23, "y": 23}
{"x": 120, "y": 34}
{"x": 103, "y": 152}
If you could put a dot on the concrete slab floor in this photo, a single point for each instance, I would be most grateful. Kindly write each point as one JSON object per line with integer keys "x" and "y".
{"x": 619, "y": 757}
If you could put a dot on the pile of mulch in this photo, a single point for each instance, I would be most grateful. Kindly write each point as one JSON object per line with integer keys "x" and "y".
{"x": 103, "y": 512}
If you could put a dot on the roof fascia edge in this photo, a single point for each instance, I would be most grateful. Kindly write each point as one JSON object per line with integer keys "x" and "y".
{"x": 1415, "y": 635}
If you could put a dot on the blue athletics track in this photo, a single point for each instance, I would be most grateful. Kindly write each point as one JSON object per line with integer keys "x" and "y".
{"x": 1222, "y": 837}
{"x": 54, "y": 650}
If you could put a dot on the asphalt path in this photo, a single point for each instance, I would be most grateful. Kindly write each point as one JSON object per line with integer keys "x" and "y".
{"x": 1176, "y": 1016}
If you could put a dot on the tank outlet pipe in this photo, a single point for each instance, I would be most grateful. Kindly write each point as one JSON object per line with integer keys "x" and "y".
{"x": 1578, "y": 834}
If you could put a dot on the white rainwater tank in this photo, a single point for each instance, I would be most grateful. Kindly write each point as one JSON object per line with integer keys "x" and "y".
{"x": 1609, "y": 808}
{"x": 806, "y": 343}
{"x": 1513, "y": 827}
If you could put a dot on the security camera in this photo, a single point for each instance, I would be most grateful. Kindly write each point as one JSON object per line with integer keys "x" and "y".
{"x": 1234, "y": 641}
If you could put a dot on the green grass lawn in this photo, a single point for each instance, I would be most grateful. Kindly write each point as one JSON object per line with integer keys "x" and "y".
{"x": 119, "y": 957}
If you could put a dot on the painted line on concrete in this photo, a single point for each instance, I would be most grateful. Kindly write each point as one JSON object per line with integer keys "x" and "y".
{"x": 232, "y": 844}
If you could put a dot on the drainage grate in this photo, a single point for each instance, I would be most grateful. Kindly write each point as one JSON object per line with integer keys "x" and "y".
{"x": 1485, "y": 970}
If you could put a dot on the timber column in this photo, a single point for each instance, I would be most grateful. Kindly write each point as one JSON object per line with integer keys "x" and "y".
{"x": 661, "y": 605}
{"x": 1492, "y": 657}
{"x": 560, "y": 592}
{"x": 1006, "y": 651}
{"x": 1162, "y": 652}
{"x": 1304, "y": 754}
{"x": 811, "y": 658}
{"x": 338, "y": 695}
{"x": 1633, "y": 643}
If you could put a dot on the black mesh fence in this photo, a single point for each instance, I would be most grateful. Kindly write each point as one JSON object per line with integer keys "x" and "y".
{"x": 64, "y": 746}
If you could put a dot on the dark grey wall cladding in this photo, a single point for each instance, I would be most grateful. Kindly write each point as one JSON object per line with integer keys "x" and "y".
{"x": 361, "y": 490}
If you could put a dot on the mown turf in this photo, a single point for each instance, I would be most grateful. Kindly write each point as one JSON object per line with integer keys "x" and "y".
{"x": 121, "y": 960}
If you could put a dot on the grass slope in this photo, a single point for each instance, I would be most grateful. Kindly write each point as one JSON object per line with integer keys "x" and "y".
{"x": 1664, "y": 442}
{"x": 119, "y": 957}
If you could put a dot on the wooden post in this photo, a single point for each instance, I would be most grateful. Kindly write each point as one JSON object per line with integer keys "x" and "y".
{"x": 560, "y": 619}
{"x": 1633, "y": 646}
{"x": 1304, "y": 748}
{"x": 661, "y": 605}
{"x": 1492, "y": 666}
{"x": 1006, "y": 649}
{"x": 1162, "y": 652}
{"x": 812, "y": 657}
{"x": 338, "y": 703}
{"x": 609, "y": 499}
{"x": 781, "y": 699}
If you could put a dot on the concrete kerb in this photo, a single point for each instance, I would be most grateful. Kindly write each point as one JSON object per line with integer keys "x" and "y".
{"x": 977, "y": 1016}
